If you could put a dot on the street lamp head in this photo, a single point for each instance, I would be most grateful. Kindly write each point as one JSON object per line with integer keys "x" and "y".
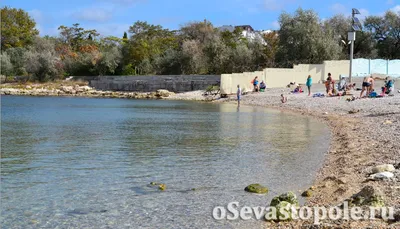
{"x": 355, "y": 11}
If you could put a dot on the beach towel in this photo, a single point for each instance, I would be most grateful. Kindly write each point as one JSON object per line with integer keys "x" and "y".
{"x": 318, "y": 95}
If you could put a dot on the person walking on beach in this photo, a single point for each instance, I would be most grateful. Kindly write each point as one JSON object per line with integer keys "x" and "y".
{"x": 308, "y": 84}
{"x": 238, "y": 94}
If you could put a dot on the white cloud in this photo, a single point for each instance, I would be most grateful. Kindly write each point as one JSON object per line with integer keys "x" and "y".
{"x": 272, "y": 5}
{"x": 338, "y": 8}
{"x": 93, "y": 14}
{"x": 275, "y": 25}
{"x": 363, "y": 14}
{"x": 36, "y": 15}
{"x": 124, "y": 2}
{"x": 112, "y": 29}
{"x": 396, "y": 9}
{"x": 346, "y": 11}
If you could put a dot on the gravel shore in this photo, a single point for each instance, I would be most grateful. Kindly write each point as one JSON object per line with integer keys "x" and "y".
{"x": 365, "y": 133}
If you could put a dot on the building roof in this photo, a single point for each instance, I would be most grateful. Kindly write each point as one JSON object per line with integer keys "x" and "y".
{"x": 245, "y": 27}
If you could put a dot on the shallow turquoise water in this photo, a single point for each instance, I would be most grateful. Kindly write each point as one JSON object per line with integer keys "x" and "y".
{"x": 87, "y": 163}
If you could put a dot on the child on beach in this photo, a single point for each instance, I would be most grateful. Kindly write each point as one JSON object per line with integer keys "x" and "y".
{"x": 283, "y": 99}
{"x": 238, "y": 94}
{"x": 255, "y": 84}
{"x": 308, "y": 84}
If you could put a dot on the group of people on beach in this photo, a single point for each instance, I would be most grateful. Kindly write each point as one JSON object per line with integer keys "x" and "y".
{"x": 342, "y": 88}
{"x": 256, "y": 87}
{"x": 368, "y": 86}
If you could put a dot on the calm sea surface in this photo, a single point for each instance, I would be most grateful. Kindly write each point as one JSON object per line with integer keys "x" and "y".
{"x": 87, "y": 163}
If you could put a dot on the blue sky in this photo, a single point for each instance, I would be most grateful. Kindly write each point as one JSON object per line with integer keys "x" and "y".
{"x": 113, "y": 17}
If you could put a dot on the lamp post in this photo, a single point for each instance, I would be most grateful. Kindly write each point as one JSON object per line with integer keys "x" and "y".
{"x": 351, "y": 38}
{"x": 355, "y": 26}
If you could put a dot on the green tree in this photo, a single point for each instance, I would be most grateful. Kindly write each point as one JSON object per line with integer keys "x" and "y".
{"x": 76, "y": 36}
{"x": 42, "y": 60}
{"x": 169, "y": 63}
{"x": 17, "y": 28}
{"x": 201, "y": 31}
{"x": 193, "y": 59}
{"x": 109, "y": 60}
{"x": 364, "y": 46}
{"x": 6, "y": 65}
{"x": 231, "y": 39}
{"x": 17, "y": 57}
{"x": 216, "y": 54}
{"x": 386, "y": 31}
{"x": 272, "y": 40}
{"x": 147, "y": 42}
{"x": 303, "y": 39}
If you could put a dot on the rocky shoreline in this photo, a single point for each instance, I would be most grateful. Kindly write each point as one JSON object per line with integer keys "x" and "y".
{"x": 365, "y": 134}
{"x": 81, "y": 91}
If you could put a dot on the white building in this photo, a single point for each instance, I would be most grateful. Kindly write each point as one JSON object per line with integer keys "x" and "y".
{"x": 247, "y": 32}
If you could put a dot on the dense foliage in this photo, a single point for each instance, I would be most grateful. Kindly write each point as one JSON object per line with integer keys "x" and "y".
{"x": 196, "y": 48}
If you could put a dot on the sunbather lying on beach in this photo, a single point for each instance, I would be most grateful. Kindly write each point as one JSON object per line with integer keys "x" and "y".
{"x": 298, "y": 89}
{"x": 350, "y": 86}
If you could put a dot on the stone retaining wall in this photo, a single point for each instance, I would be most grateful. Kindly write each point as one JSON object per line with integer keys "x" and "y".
{"x": 175, "y": 83}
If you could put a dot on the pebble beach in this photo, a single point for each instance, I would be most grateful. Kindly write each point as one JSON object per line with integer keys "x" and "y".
{"x": 365, "y": 133}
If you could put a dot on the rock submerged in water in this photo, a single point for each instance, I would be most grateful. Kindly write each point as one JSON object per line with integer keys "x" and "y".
{"x": 307, "y": 193}
{"x": 289, "y": 197}
{"x": 284, "y": 204}
{"x": 162, "y": 187}
{"x": 256, "y": 188}
{"x": 284, "y": 211}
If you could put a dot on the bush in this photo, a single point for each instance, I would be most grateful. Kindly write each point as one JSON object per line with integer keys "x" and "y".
{"x": 42, "y": 65}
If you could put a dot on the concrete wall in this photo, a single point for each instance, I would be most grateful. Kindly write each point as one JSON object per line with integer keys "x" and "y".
{"x": 364, "y": 67}
{"x": 175, "y": 83}
{"x": 280, "y": 77}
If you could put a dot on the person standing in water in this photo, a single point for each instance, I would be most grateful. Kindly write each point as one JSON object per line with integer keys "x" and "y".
{"x": 238, "y": 94}
{"x": 308, "y": 84}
